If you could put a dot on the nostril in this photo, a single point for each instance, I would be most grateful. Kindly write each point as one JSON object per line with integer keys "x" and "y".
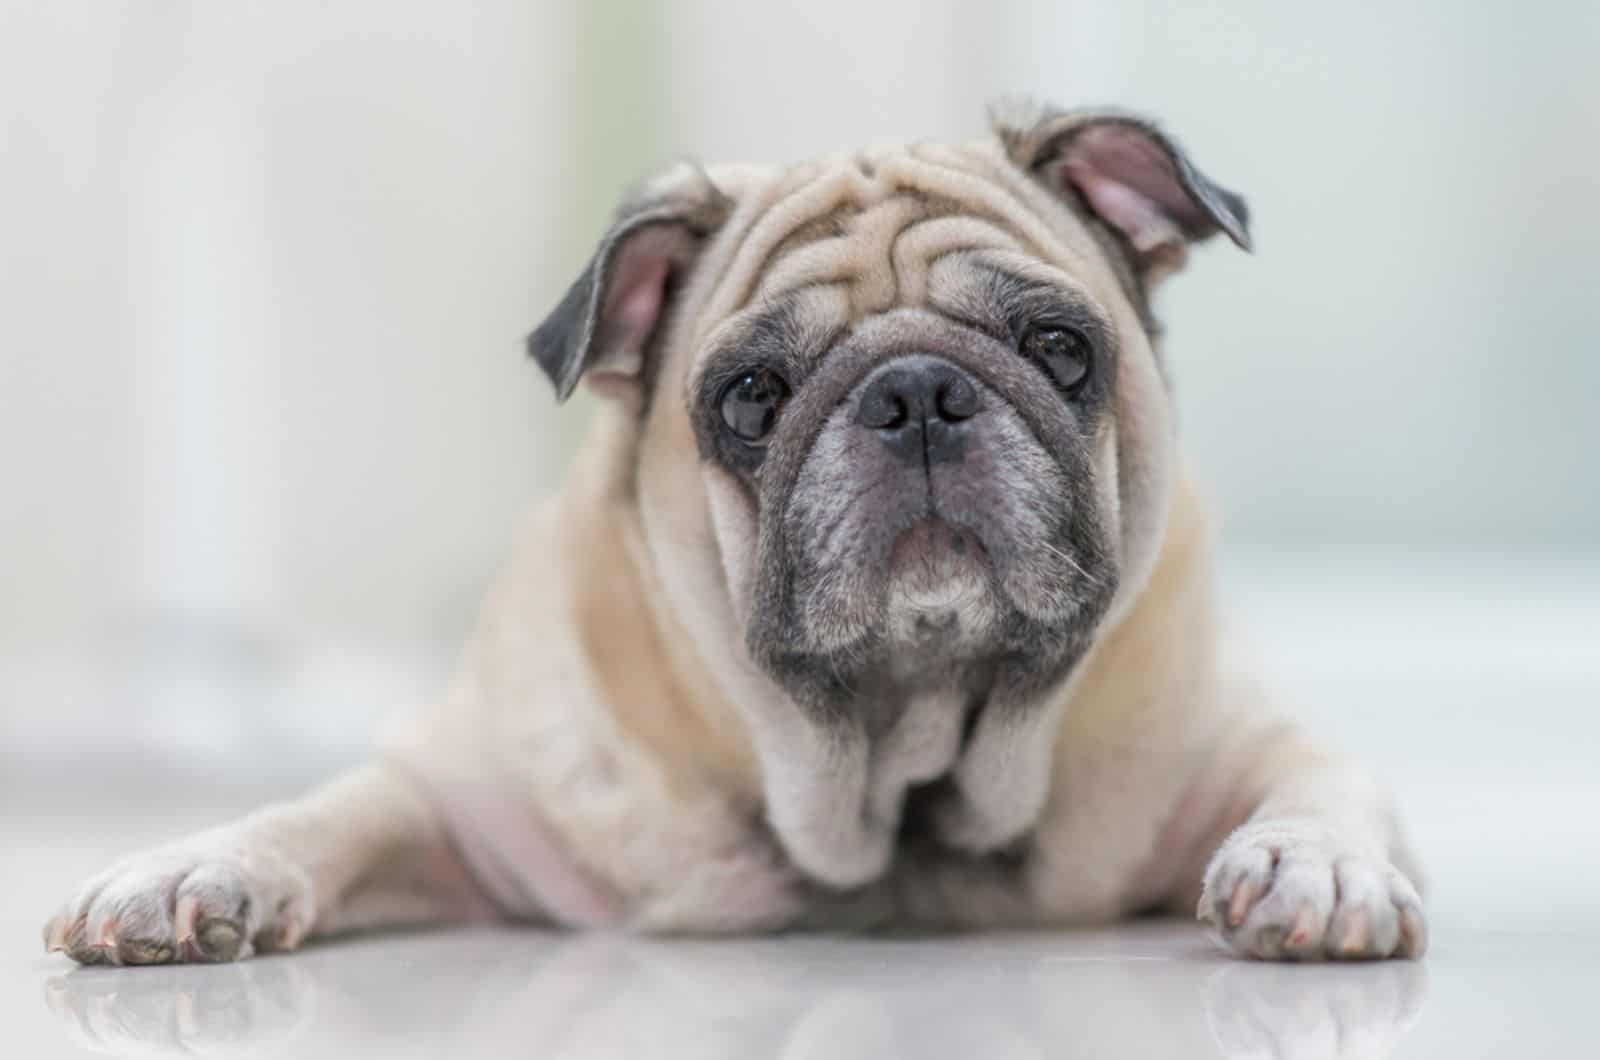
{"x": 956, "y": 399}
{"x": 881, "y": 410}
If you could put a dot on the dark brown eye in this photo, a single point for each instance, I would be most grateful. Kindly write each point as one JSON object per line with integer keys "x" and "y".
{"x": 1062, "y": 352}
{"x": 751, "y": 402}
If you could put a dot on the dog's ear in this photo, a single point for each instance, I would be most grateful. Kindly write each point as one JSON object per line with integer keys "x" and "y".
{"x": 610, "y": 316}
{"x": 1129, "y": 174}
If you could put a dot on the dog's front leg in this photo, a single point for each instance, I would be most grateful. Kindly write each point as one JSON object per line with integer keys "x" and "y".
{"x": 1318, "y": 869}
{"x": 363, "y": 851}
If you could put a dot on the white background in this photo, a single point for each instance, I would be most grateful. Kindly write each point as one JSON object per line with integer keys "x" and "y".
{"x": 266, "y": 429}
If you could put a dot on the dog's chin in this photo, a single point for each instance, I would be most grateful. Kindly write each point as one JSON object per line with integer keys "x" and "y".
{"x": 940, "y": 593}
{"x": 933, "y": 564}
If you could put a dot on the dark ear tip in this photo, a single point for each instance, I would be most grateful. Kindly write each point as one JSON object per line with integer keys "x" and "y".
{"x": 1234, "y": 218}
{"x": 1240, "y": 234}
{"x": 538, "y": 345}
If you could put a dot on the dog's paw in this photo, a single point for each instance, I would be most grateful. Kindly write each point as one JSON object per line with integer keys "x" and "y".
{"x": 211, "y": 898}
{"x": 1284, "y": 891}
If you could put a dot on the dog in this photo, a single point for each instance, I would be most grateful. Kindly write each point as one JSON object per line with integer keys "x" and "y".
{"x": 877, "y": 599}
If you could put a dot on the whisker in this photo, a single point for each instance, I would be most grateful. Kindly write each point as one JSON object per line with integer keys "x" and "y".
{"x": 1069, "y": 561}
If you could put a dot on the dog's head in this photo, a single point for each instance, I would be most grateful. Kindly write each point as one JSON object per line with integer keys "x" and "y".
{"x": 898, "y": 414}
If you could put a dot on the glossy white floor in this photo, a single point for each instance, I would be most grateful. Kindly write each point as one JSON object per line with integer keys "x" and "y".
{"x": 1480, "y": 704}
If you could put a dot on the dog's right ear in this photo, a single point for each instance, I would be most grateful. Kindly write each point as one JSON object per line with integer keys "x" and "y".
{"x": 607, "y": 321}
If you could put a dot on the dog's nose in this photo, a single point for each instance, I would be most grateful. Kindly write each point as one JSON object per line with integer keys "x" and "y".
{"x": 918, "y": 406}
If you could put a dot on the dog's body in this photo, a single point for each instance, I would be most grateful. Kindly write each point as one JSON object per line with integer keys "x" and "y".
{"x": 876, "y": 598}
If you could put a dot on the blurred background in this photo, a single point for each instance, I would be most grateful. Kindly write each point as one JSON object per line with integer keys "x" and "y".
{"x": 266, "y": 428}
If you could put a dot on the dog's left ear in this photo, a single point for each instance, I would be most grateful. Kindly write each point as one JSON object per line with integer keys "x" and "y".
{"x": 1127, "y": 173}
{"x": 609, "y": 318}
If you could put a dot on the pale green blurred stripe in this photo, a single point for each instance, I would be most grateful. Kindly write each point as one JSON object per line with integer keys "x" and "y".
{"x": 619, "y": 95}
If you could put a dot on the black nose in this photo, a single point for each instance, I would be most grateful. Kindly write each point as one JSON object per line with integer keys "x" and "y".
{"x": 918, "y": 406}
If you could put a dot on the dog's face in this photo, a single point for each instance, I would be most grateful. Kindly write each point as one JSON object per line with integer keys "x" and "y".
{"x": 919, "y": 490}
{"x": 918, "y": 392}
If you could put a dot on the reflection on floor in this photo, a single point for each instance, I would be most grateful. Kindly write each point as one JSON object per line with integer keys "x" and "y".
{"x": 1147, "y": 991}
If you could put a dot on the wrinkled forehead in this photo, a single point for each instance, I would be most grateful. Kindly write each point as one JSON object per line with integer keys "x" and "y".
{"x": 864, "y": 234}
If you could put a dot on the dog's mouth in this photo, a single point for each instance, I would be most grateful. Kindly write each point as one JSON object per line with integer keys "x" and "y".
{"x": 933, "y": 554}
{"x": 940, "y": 592}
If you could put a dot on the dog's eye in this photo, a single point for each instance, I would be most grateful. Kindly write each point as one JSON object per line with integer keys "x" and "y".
{"x": 1062, "y": 352}
{"x": 750, "y": 403}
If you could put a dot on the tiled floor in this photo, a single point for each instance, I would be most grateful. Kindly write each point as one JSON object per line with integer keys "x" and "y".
{"x": 1514, "y": 972}
{"x": 1140, "y": 993}
{"x": 1145, "y": 991}
{"x": 1481, "y": 704}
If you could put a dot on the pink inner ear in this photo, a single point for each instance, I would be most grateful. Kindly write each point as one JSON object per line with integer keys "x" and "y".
{"x": 636, "y": 287}
{"x": 640, "y": 307}
{"x": 1133, "y": 186}
{"x": 1125, "y": 209}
